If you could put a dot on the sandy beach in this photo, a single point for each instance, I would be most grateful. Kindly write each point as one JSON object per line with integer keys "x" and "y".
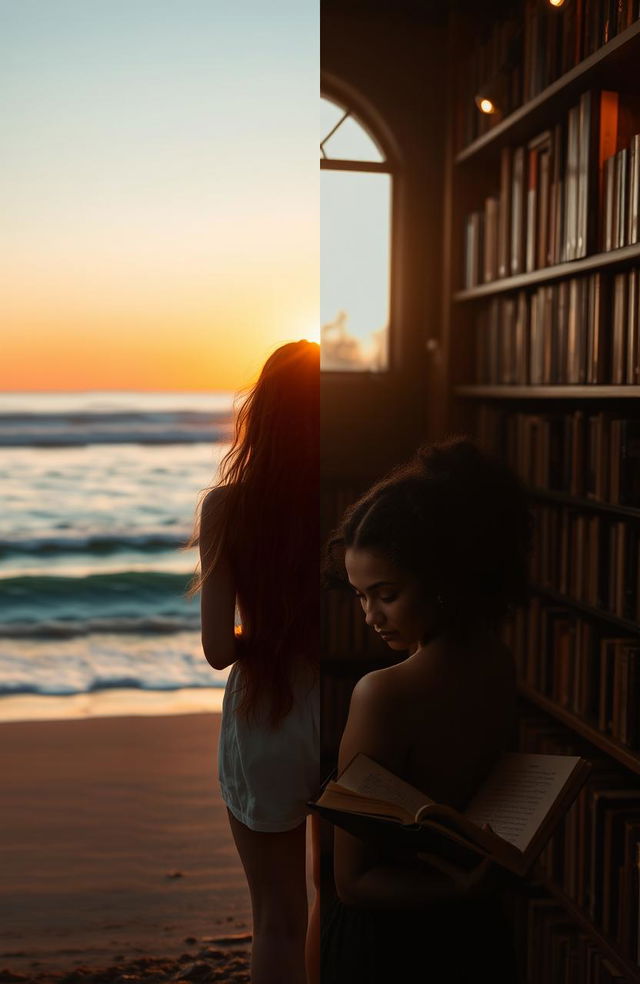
{"x": 116, "y": 853}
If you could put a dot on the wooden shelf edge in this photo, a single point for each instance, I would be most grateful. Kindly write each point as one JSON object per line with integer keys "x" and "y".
{"x": 574, "y": 501}
{"x": 559, "y": 271}
{"x": 623, "y": 963}
{"x": 625, "y": 624}
{"x": 551, "y": 391}
{"x": 572, "y": 80}
{"x": 626, "y": 757}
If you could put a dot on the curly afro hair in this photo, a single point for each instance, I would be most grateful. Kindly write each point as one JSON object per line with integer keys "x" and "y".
{"x": 455, "y": 517}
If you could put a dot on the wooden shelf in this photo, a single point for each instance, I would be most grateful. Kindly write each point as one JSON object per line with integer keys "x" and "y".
{"x": 621, "y": 257}
{"x": 565, "y": 498}
{"x": 610, "y": 66}
{"x": 471, "y": 174}
{"x": 625, "y": 756}
{"x": 625, "y": 624}
{"x": 556, "y": 391}
{"x": 631, "y": 971}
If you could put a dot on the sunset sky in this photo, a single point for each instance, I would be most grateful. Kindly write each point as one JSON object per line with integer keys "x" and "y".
{"x": 158, "y": 190}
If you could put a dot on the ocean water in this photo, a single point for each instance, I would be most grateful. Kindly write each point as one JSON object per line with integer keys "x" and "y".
{"x": 98, "y": 494}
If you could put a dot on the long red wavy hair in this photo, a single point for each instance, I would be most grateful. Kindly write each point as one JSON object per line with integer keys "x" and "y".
{"x": 268, "y": 525}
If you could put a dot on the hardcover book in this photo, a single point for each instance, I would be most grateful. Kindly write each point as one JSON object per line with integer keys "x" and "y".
{"x": 510, "y": 818}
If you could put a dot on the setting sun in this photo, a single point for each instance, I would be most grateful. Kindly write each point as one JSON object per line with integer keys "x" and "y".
{"x": 157, "y": 249}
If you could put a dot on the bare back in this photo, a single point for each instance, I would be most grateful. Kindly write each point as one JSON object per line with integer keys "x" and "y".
{"x": 452, "y": 709}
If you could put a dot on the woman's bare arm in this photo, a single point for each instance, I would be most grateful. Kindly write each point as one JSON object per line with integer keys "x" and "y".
{"x": 374, "y": 727}
{"x": 218, "y": 595}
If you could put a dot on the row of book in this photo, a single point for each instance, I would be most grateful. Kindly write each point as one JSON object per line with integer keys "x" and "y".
{"x": 585, "y": 26}
{"x": 581, "y": 667}
{"x": 571, "y": 191}
{"x": 590, "y": 559}
{"x": 529, "y": 50}
{"x": 558, "y": 950}
{"x": 494, "y": 68}
{"x": 579, "y": 331}
{"x": 593, "y": 857}
{"x": 620, "y": 197}
{"x": 588, "y": 455}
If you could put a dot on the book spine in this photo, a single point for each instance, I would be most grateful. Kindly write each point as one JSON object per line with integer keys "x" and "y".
{"x": 573, "y": 329}
{"x": 609, "y": 195}
{"x": 504, "y": 213}
{"x": 621, "y": 221}
{"x": 625, "y": 195}
{"x": 532, "y": 208}
{"x": 558, "y": 198}
{"x": 517, "y": 211}
{"x": 571, "y": 199}
{"x": 632, "y": 362}
{"x": 585, "y": 166}
{"x": 490, "y": 239}
{"x": 542, "y": 235}
{"x": 633, "y": 233}
{"x": 619, "y": 323}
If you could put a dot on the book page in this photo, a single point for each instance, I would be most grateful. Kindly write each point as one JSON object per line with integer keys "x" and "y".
{"x": 518, "y": 794}
{"x": 366, "y": 777}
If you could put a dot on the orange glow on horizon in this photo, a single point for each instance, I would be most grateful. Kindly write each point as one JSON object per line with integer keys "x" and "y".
{"x": 182, "y": 311}
{"x": 70, "y": 361}
{"x": 117, "y": 342}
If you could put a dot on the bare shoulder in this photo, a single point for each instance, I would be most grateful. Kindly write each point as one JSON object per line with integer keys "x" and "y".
{"x": 211, "y": 509}
{"x": 374, "y": 725}
{"x": 379, "y": 690}
{"x": 214, "y": 498}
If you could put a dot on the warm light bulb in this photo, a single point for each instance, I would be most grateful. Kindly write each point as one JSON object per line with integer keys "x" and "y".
{"x": 556, "y": 3}
{"x": 486, "y": 106}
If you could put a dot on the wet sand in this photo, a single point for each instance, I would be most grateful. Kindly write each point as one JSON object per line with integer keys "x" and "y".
{"x": 115, "y": 849}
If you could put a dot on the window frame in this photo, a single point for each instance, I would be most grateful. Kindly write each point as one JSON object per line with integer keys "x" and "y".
{"x": 378, "y": 132}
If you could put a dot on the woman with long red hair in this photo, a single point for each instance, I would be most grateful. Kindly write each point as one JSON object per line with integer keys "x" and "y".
{"x": 258, "y": 536}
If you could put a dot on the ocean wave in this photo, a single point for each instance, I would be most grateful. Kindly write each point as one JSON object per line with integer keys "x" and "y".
{"x": 80, "y": 427}
{"x": 112, "y": 582}
{"x": 65, "y": 439}
{"x": 49, "y": 606}
{"x": 115, "y": 683}
{"x": 68, "y": 664}
{"x": 69, "y": 628}
{"x": 97, "y": 543}
{"x": 84, "y": 418}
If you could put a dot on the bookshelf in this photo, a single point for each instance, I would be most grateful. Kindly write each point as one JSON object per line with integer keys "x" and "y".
{"x": 575, "y": 723}
{"x": 615, "y": 258}
{"x": 632, "y": 974}
{"x": 610, "y": 65}
{"x": 557, "y": 392}
{"x": 540, "y": 352}
{"x": 606, "y": 507}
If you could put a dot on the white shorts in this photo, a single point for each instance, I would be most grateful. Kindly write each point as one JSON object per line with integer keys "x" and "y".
{"x": 266, "y": 776}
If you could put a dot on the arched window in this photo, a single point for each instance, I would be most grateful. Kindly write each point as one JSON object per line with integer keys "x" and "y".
{"x": 355, "y": 244}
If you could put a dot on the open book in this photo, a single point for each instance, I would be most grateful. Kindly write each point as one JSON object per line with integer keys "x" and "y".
{"x": 522, "y": 800}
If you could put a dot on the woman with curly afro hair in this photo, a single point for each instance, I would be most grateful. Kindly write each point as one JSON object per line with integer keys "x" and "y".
{"x": 437, "y": 553}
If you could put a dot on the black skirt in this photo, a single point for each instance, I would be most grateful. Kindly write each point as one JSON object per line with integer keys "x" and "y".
{"x": 457, "y": 942}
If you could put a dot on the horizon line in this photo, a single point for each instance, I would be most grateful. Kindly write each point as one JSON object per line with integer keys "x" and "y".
{"x": 54, "y": 392}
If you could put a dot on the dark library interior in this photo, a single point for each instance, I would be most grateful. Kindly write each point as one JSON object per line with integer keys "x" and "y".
{"x": 511, "y": 135}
